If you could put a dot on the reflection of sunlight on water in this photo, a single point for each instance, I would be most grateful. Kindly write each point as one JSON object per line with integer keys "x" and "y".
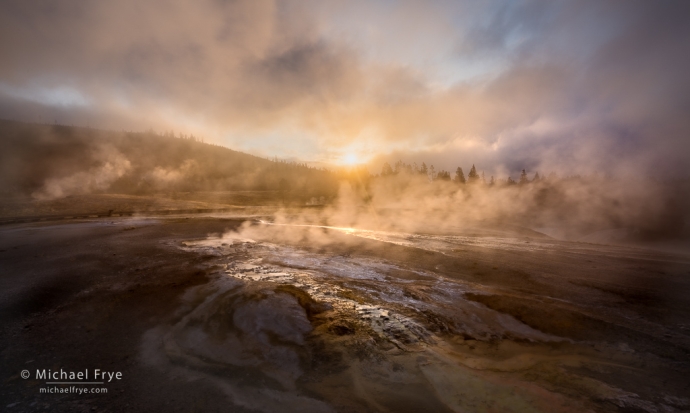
{"x": 450, "y": 243}
{"x": 436, "y": 243}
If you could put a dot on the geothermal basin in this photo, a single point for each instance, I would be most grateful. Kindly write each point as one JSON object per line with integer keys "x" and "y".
{"x": 235, "y": 314}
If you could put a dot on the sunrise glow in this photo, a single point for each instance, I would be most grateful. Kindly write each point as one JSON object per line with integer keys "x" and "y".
{"x": 345, "y": 206}
{"x": 350, "y": 159}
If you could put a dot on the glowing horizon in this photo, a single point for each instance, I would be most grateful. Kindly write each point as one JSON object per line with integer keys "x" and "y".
{"x": 579, "y": 86}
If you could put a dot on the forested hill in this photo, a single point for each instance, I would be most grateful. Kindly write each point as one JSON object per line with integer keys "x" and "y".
{"x": 53, "y": 161}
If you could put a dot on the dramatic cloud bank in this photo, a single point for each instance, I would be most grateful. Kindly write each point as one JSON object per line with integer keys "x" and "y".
{"x": 572, "y": 87}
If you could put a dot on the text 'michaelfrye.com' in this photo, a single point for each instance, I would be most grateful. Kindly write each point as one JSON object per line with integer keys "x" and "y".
{"x": 68, "y": 381}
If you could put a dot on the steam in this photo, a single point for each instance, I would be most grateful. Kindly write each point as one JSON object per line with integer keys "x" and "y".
{"x": 575, "y": 86}
{"x": 113, "y": 166}
{"x": 572, "y": 209}
{"x": 163, "y": 177}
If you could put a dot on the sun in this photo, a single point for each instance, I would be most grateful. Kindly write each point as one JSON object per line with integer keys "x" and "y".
{"x": 350, "y": 159}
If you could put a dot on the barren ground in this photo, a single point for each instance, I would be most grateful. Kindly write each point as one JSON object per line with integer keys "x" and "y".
{"x": 487, "y": 321}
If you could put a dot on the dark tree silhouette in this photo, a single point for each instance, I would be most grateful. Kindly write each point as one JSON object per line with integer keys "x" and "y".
{"x": 423, "y": 170}
{"x": 443, "y": 176}
{"x": 523, "y": 178}
{"x": 459, "y": 176}
{"x": 473, "y": 177}
{"x": 537, "y": 178}
{"x": 399, "y": 166}
{"x": 386, "y": 170}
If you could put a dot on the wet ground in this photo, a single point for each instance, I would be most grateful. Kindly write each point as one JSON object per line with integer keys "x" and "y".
{"x": 215, "y": 315}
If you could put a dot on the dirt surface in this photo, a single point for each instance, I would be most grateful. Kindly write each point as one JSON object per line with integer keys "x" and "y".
{"x": 197, "y": 317}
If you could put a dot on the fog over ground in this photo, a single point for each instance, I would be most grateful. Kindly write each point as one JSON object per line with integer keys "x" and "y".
{"x": 42, "y": 167}
{"x": 346, "y": 205}
{"x": 571, "y": 87}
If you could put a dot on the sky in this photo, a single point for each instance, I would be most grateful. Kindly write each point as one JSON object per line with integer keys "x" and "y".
{"x": 572, "y": 87}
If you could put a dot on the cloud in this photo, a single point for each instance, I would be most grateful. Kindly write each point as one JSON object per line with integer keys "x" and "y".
{"x": 547, "y": 85}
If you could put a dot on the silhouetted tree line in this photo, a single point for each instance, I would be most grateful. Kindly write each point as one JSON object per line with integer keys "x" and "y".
{"x": 473, "y": 177}
{"x": 30, "y": 154}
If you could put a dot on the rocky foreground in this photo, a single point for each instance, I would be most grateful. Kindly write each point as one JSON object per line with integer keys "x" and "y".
{"x": 211, "y": 314}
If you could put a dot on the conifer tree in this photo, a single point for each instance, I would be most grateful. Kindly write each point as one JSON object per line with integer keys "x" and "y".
{"x": 398, "y": 167}
{"x": 386, "y": 170}
{"x": 473, "y": 177}
{"x": 443, "y": 176}
{"x": 523, "y": 178}
{"x": 459, "y": 176}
